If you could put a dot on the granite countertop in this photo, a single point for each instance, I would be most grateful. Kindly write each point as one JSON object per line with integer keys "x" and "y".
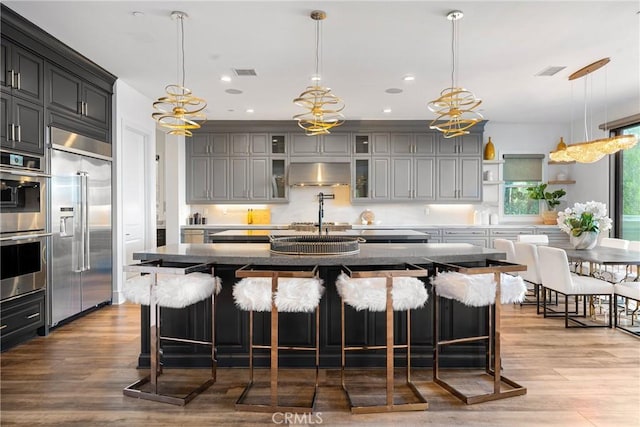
{"x": 370, "y": 254}
{"x": 262, "y": 236}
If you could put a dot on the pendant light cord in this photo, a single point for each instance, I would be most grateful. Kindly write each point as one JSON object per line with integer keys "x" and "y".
{"x": 317, "y": 76}
{"x": 453, "y": 52}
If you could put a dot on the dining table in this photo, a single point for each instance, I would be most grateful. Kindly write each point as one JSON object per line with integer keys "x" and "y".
{"x": 603, "y": 255}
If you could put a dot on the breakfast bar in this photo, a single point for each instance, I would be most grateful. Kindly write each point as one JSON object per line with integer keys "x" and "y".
{"x": 232, "y": 324}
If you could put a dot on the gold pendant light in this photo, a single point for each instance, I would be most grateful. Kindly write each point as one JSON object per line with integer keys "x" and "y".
{"x": 592, "y": 151}
{"x": 178, "y": 109}
{"x": 324, "y": 108}
{"x": 455, "y": 105}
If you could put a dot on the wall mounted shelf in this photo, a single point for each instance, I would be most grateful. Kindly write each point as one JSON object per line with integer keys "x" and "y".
{"x": 564, "y": 181}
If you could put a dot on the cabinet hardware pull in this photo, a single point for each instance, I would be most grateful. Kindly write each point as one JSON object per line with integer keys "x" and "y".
{"x": 19, "y": 133}
{"x": 2, "y": 327}
{"x": 31, "y": 316}
{"x": 13, "y": 73}
{"x": 86, "y": 109}
{"x": 18, "y": 86}
{"x": 13, "y": 132}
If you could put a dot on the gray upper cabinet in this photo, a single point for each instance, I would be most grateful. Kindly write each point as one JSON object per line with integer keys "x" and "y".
{"x": 207, "y": 179}
{"x": 22, "y": 97}
{"x": 22, "y": 73}
{"x": 381, "y": 144}
{"x": 380, "y": 179}
{"x": 413, "y": 178}
{"x": 77, "y": 98}
{"x": 249, "y": 143}
{"x": 22, "y": 124}
{"x": 459, "y": 179}
{"x": 401, "y": 143}
{"x": 413, "y": 143}
{"x": 338, "y": 144}
{"x": 235, "y": 167}
{"x": 465, "y": 145}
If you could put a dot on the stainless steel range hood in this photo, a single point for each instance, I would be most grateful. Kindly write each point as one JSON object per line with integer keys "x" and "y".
{"x": 319, "y": 174}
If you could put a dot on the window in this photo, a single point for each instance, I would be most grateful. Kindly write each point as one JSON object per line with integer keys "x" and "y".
{"x": 628, "y": 188}
{"x": 519, "y": 172}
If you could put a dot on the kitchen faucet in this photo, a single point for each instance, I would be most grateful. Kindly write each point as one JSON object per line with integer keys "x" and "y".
{"x": 321, "y": 197}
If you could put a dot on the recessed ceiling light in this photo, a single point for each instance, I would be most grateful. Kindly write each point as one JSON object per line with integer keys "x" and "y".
{"x": 225, "y": 78}
{"x": 386, "y": 110}
{"x": 408, "y": 78}
{"x": 234, "y": 91}
{"x": 137, "y": 13}
{"x": 249, "y": 110}
{"x": 393, "y": 90}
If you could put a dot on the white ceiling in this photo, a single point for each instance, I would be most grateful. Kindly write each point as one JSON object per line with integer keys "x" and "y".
{"x": 368, "y": 47}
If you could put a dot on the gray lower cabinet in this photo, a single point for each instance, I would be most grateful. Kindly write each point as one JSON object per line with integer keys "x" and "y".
{"x": 474, "y": 236}
{"x": 556, "y": 236}
{"x": 459, "y": 179}
{"x": 509, "y": 233}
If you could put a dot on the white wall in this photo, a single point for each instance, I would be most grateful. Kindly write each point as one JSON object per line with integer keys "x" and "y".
{"x": 131, "y": 109}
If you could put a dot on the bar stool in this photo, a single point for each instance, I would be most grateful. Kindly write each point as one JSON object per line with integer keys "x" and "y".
{"x": 174, "y": 285}
{"x": 478, "y": 287}
{"x": 278, "y": 289}
{"x": 388, "y": 289}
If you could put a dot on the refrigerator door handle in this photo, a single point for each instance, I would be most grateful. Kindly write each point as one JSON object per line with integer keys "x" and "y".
{"x": 83, "y": 254}
{"x": 85, "y": 224}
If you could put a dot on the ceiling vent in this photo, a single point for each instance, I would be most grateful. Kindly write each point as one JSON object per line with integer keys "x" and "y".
{"x": 245, "y": 72}
{"x": 551, "y": 71}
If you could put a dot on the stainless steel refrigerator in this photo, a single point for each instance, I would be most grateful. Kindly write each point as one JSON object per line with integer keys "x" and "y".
{"x": 81, "y": 224}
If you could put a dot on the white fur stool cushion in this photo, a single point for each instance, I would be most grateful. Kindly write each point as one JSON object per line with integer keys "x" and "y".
{"x": 477, "y": 290}
{"x": 294, "y": 294}
{"x": 371, "y": 293}
{"x": 173, "y": 290}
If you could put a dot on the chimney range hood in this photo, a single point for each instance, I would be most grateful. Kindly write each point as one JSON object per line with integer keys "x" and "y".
{"x": 319, "y": 174}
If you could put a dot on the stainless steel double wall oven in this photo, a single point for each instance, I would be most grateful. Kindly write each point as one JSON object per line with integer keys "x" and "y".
{"x": 23, "y": 224}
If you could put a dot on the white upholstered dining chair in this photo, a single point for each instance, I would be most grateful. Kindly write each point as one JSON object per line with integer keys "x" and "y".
{"x": 505, "y": 246}
{"x": 527, "y": 254}
{"x": 556, "y": 276}
{"x": 535, "y": 239}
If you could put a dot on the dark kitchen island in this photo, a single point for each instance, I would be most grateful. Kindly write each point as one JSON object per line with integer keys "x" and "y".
{"x": 365, "y": 328}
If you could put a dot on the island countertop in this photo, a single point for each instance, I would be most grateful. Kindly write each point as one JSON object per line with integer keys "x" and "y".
{"x": 370, "y": 254}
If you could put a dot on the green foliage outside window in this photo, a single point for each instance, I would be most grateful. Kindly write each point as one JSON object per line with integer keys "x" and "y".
{"x": 517, "y": 200}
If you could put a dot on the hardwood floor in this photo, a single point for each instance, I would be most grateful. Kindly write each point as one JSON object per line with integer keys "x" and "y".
{"x": 75, "y": 376}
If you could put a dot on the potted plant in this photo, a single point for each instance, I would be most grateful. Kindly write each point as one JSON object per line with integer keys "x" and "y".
{"x": 551, "y": 198}
{"x": 583, "y": 222}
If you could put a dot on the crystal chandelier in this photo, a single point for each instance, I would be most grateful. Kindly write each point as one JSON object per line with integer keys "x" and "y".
{"x": 323, "y": 107}
{"x": 455, "y": 105}
{"x": 178, "y": 109}
{"x": 592, "y": 151}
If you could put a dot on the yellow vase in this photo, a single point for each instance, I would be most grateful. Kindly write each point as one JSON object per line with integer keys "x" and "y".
{"x": 489, "y": 150}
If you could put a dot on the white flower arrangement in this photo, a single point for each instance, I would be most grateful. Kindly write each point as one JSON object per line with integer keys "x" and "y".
{"x": 590, "y": 216}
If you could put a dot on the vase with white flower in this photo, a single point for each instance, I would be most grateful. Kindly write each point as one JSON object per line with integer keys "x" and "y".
{"x": 583, "y": 222}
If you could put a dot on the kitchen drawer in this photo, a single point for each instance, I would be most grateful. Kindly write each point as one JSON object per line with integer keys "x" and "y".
{"x": 465, "y": 232}
{"x": 475, "y": 240}
{"x": 435, "y": 234}
{"x": 21, "y": 316}
{"x": 510, "y": 233}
